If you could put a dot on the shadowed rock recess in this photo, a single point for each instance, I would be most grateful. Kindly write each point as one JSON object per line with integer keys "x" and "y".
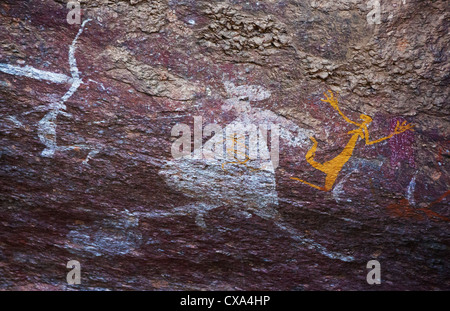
{"x": 91, "y": 114}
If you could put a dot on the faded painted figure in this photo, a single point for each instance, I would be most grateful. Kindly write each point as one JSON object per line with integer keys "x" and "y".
{"x": 333, "y": 167}
{"x": 47, "y": 128}
{"x": 250, "y": 188}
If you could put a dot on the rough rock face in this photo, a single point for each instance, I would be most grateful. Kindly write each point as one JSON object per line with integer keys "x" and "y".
{"x": 89, "y": 116}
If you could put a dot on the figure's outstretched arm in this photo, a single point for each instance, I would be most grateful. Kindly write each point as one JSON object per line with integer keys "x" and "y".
{"x": 368, "y": 142}
{"x": 400, "y": 128}
{"x": 334, "y": 103}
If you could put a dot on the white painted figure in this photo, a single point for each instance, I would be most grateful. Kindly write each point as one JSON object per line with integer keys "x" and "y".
{"x": 47, "y": 125}
{"x": 249, "y": 192}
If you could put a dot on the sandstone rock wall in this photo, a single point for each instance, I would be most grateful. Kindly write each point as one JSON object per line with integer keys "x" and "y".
{"x": 87, "y": 170}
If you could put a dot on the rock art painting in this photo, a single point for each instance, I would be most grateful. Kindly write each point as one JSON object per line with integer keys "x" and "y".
{"x": 181, "y": 145}
{"x": 332, "y": 167}
{"x": 249, "y": 188}
{"x": 48, "y": 124}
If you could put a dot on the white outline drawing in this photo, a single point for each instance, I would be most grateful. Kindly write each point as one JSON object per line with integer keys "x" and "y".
{"x": 208, "y": 183}
{"x": 47, "y": 125}
{"x": 239, "y": 99}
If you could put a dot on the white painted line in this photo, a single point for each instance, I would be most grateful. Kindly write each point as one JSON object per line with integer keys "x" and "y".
{"x": 30, "y": 72}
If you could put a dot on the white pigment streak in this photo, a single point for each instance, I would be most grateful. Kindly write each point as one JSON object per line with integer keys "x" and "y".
{"x": 311, "y": 244}
{"x": 16, "y": 122}
{"x": 410, "y": 191}
{"x": 47, "y": 125}
{"x": 338, "y": 189}
{"x": 30, "y": 72}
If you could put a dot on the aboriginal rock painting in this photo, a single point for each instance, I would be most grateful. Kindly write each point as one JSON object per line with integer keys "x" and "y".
{"x": 210, "y": 183}
{"x": 237, "y": 185}
{"x": 238, "y": 149}
{"x": 47, "y": 125}
{"x": 332, "y": 167}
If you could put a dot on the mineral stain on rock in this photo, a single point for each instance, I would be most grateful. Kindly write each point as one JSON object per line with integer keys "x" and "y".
{"x": 87, "y": 173}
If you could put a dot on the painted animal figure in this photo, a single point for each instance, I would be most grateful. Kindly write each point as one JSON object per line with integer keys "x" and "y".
{"x": 333, "y": 167}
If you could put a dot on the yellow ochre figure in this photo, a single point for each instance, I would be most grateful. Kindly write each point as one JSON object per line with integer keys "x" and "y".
{"x": 333, "y": 167}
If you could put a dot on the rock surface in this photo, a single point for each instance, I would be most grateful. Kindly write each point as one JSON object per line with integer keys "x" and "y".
{"x": 87, "y": 170}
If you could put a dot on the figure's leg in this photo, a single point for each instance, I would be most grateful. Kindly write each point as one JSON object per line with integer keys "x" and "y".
{"x": 330, "y": 180}
{"x": 309, "y": 184}
{"x": 310, "y": 156}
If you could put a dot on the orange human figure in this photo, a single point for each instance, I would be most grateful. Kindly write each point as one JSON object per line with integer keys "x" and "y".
{"x": 333, "y": 167}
